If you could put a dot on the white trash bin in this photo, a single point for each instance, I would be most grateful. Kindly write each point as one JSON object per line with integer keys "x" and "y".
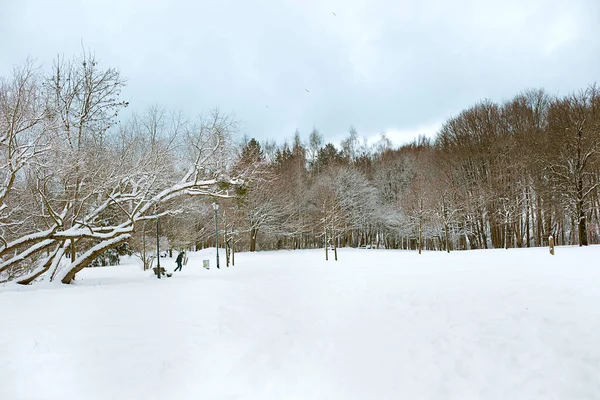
{"x": 206, "y": 264}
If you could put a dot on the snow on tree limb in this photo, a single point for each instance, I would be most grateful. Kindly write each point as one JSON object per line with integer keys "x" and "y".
{"x": 67, "y": 274}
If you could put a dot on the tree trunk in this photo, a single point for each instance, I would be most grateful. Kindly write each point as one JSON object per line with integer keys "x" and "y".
{"x": 527, "y": 213}
{"x": 226, "y": 245}
{"x": 538, "y": 221}
{"x": 506, "y": 233}
{"x": 73, "y": 252}
{"x": 581, "y": 225}
{"x": 144, "y": 253}
{"x": 420, "y": 233}
{"x": 226, "y": 253}
{"x": 446, "y": 237}
{"x": 326, "y": 247}
{"x": 548, "y": 225}
{"x": 253, "y": 233}
{"x": 483, "y": 235}
{"x": 335, "y": 247}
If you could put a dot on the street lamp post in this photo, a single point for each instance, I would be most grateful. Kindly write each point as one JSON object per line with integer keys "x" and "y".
{"x": 216, "y": 208}
{"x": 157, "y": 251}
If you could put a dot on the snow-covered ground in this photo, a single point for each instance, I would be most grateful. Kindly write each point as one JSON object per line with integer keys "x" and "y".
{"x": 493, "y": 324}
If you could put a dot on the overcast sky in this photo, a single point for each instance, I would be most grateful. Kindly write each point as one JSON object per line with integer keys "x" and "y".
{"x": 401, "y": 67}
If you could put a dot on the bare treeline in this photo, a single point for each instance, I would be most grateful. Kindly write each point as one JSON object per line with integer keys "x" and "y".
{"x": 496, "y": 176}
{"x": 77, "y": 183}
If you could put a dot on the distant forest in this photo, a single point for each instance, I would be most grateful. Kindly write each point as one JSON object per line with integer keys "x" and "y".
{"x": 495, "y": 176}
{"x": 80, "y": 186}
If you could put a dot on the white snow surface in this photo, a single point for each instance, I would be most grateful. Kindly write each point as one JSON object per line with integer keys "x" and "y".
{"x": 377, "y": 324}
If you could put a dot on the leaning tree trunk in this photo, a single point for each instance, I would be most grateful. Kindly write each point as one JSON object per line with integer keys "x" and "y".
{"x": 37, "y": 243}
{"x": 86, "y": 258}
{"x": 52, "y": 259}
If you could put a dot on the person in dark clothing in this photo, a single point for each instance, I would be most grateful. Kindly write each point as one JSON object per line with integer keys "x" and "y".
{"x": 179, "y": 260}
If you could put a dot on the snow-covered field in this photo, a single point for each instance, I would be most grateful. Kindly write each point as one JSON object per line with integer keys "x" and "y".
{"x": 493, "y": 324}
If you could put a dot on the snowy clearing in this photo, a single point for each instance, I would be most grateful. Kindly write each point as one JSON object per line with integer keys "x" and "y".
{"x": 492, "y": 324}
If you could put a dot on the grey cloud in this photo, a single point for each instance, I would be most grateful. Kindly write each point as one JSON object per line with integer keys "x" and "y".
{"x": 378, "y": 65}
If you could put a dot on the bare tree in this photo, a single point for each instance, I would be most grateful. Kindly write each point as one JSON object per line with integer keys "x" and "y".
{"x": 572, "y": 150}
